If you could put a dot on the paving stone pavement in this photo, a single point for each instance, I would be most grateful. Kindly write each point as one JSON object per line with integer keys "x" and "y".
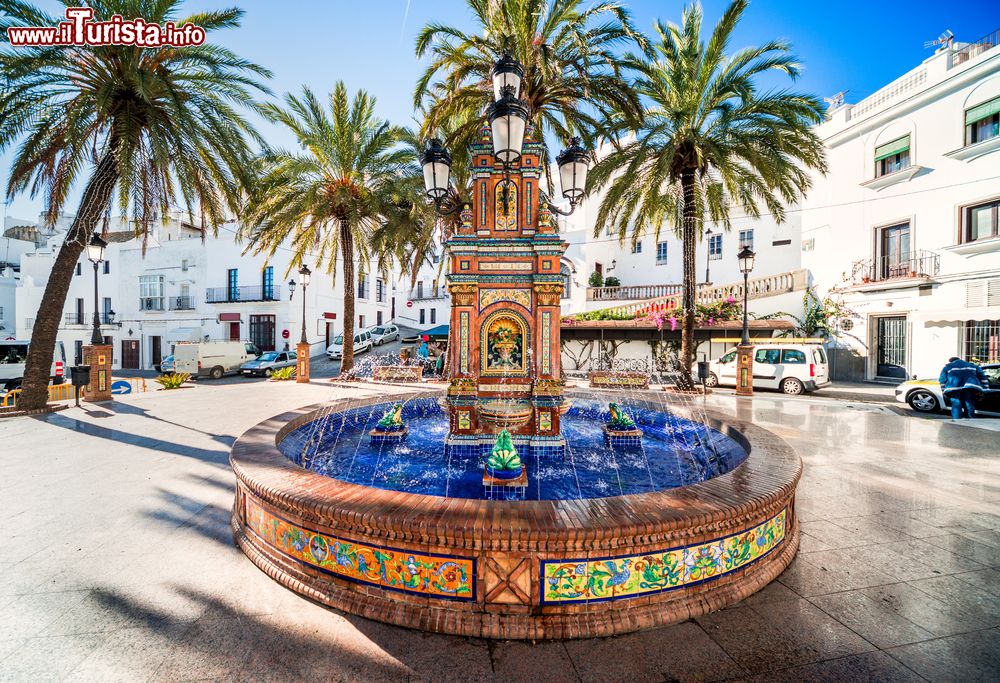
{"x": 117, "y": 561}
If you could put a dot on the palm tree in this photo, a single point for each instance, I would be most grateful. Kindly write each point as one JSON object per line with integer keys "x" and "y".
{"x": 572, "y": 71}
{"x": 710, "y": 139}
{"x": 331, "y": 200}
{"x": 153, "y": 126}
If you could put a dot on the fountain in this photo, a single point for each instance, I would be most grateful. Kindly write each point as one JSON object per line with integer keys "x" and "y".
{"x": 505, "y": 504}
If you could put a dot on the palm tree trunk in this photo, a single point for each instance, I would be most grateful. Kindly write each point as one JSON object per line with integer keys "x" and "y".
{"x": 347, "y": 251}
{"x": 93, "y": 204}
{"x": 689, "y": 233}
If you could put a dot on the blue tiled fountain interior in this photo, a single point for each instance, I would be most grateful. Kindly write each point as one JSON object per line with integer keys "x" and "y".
{"x": 675, "y": 452}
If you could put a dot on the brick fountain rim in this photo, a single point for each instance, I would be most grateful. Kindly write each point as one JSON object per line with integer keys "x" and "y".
{"x": 536, "y": 532}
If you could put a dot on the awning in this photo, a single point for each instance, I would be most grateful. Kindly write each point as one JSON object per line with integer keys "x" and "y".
{"x": 179, "y": 334}
{"x": 439, "y": 332}
{"x": 957, "y": 315}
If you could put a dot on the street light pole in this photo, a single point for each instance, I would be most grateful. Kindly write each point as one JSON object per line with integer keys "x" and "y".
{"x": 97, "y": 355}
{"x": 303, "y": 349}
{"x": 746, "y": 323}
{"x": 95, "y": 252}
{"x": 744, "y": 352}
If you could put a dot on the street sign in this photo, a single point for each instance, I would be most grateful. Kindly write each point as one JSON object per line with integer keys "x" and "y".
{"x": 409, "y": 304}
{"x": 121, "y": 386}
{"x": 285, "y": 334}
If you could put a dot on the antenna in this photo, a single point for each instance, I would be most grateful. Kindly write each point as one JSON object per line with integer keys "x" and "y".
{"x": 837, "y": 100}
{"x": 943, "y": 39}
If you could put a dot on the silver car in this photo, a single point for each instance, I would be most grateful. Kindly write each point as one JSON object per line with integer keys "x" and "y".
{"x": 384, "y": 333}
{"x": 267, "y": 363}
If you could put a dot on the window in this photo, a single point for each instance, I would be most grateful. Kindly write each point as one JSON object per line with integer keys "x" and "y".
{"x": 106, "y": 311}
{"x": 567, "y": 278}
{"x": 892, "y": 156}
{"x": 267, "y": 284}
{"x": 769, "y": 356}
{"x": 184, "y": 265}
{"x": 262, "y": 331}
{"x": 982, "y": 221}
{"x": 793, "y": 356}
{"x": 746, "y": 238}
{"x": 729, "y": 357}
{"x": 78, "y": 352}
{"x": 151, "y": 293}
{"x": 79, "y": 268}
{"x": 362, "y": 286}
{"x": 379, "y": 290}
{"x": 422, "y": 316}
{"x": 981, "y": 341}
{"x": 715, "y": 247}
{"x": 819, "y": 356}
{"x": 79, "y": 317}
{"x": 437, "y": 257}
{"x": 361, "y": 322}
{"x": 434, "y": 316}
{"x": 378, "y": 317}
{"x": 894, "y": 252}
{"x": 637, "y": 248}
{"x": 233, "y": 284}
{"x": 982, "y": 122}
{"x": 420, "y": 289}
{"x": 661, "y": 253}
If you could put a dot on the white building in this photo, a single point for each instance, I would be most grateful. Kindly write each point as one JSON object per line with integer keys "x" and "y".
{"x": 904, "y": 228}
{"x": 180, "y": 287}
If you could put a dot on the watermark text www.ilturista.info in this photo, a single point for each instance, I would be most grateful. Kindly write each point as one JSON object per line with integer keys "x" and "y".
{"x": 81, "y": 29}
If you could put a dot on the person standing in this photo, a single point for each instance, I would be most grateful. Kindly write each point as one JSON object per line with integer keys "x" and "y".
{"x": 962, "y": 384}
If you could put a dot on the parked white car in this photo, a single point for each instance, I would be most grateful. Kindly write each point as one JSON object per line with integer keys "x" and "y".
{"x": 926, "y": 396}
{"x": 384, "y": 333}
{"x": 791, "y": 368}
{"x": 362, "y": 342}
{"x": 213, "y": 358}
{"x": 14, "y": 353}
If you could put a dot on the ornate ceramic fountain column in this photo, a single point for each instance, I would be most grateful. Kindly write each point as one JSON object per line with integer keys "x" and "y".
{"x": 506, "y": 288}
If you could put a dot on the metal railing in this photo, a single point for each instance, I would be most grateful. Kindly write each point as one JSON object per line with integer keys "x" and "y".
{"x": 421, "y": 294}
{"x": 229, "y": 295}
{"x": 917, "y": 264}
{"x": 887, "y": 94}
{"x": 606, "y": 363}
{"x": 975, "y": 49}
{"x": 181, "y": 303}
{"x": 74, "y": 319}
{"x": 630, "y": 292}
{"x": 151, "y": 303}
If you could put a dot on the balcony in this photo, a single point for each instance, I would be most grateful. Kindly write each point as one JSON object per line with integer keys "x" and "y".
{"x": 75, "y": 319}
{"x": 151, "y": 303}
{"x": 894, "y": 271}
{"x": 232, "y": 295}
{"x": 630, "y": 292}
{"x": 421, "y": 294}
{"x": 182, "y": 303}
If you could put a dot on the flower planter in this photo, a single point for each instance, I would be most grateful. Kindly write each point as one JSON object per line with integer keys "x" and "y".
{"x": 505, "y": 475}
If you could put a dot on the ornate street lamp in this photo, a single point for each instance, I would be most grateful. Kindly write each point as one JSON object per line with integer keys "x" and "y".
{"x": 507, "y": 72}
{"x": 508, "y": 119}
{"x": 436, "y": 162}
{"x": 291, "y": 289}
{"x": 746, "y": 258}
{"x": 304, "y": 274}
{"x": 573, "y": 162}
{"x": 95, "y": 252}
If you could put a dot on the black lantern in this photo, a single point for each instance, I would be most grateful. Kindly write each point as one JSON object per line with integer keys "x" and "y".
{"x": 437, "y": 169}
{"x": 746, "y": 257}
{"x": 95, "y": 249}
{"x": 508, "y": 119}
{"x": 291, "y": 289}
{"x": 574, "y": 162}
{"x": 507, "y": 72}
{"x": 304, "y": 274}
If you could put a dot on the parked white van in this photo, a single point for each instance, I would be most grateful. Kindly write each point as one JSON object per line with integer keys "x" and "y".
{"x": 14, "y": 353}
{"x": 212, "y": 358}
{"x": 792, "y": 368}
{"x": 362, "y": 342}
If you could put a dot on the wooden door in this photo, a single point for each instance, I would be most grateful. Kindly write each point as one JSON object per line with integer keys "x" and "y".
{"x": 155, "y": 346}
{"x": 130, "y": 354}
{"x": 234, "y": 331}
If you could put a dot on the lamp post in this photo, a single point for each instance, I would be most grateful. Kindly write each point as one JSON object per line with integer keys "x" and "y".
{"x": 97, "y": 355}
{"x": 95, "y": 252}
{"x": 302, "y": 349}
{"x": 744, "y": 352}
{"x": 508, "y": 118}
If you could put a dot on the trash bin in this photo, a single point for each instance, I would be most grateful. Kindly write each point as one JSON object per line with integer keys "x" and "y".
{"x": 702, "y": 370}
{"x": 80, "y": 375}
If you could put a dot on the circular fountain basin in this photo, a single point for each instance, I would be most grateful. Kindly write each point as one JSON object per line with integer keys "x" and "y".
{"x": 679, "y": 534}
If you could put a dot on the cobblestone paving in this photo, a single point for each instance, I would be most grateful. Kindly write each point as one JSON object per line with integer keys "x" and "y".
{"x": 117, "y": 561}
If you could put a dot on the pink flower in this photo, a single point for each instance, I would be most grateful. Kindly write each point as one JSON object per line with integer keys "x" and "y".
{"x": 711, "y": 320}
{"x": 730, "y": 300}
{"x": 673, "y": 323}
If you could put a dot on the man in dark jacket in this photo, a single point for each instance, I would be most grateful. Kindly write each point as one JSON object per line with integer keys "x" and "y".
{"x": 962, "y": 384}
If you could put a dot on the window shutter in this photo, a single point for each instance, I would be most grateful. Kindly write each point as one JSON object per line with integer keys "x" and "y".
{"x": 892, "y": 148}
{"x": 993, "y": 292}
{"x": 975, "y": 293}
{"x": 981, "y": 111}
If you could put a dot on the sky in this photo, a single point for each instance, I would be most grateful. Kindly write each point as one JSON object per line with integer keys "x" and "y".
{"x": 851, "y": 45}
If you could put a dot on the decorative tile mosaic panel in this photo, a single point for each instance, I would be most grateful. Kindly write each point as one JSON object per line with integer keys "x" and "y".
{"x": 488, "y": 297}
{"x": 464, "y": 419}
{"x": 439, "y": 576}
{"x": 527, "y": 204}
{"x": 545, "y": 421}
{"x": 631, "y": 576}
{"x": 546, "y": 343}
{"x": 463, "y": 342}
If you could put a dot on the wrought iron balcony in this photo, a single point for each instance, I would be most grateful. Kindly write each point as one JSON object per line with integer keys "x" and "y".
{"x": 151, "y": 303}
{"x": 421, "y": 294}
{"x": 230, "y": 295}
{"x": 74, "y": 318}
{"x": 916, "y": 264}
{"x": 182, "y": 303}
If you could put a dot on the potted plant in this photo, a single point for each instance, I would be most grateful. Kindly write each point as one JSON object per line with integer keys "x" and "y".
{"x": 504, "y": 462}
{"x": 596, "y": 279}
{"x": 612, "y": 281}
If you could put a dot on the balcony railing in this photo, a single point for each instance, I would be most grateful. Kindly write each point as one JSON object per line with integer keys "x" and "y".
{"x": 630, "y": 292}
{"x": 421, "y": 294}
{"x": 151, "y": 303}
{"x": 75, "y": 319}
{"x": 917, "y": 264}
{"x": 230, "y": 295}
{"x": 182, "y": 303}
{"x": 975, "y": 49}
